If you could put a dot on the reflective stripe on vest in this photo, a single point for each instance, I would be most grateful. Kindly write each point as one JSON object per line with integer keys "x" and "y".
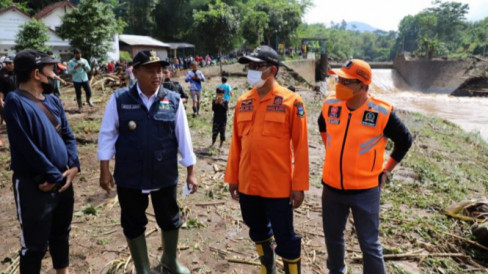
{"x": 355, "y": 143}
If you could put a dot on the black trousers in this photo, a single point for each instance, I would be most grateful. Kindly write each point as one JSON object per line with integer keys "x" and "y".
{"x": 218, "y": 127}
{"x": 133, "y": 205}
{"x": 271, "y": 216}
{"x": 86, "y": 87}
{"x": 45, "y": 220}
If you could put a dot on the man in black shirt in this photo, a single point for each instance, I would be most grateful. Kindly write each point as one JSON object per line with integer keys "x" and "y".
{"x": 220, "y": 106}
{"x": 354, "y": 127}
{"x": 8, "y": 81}
{"x": 173, "y": 85}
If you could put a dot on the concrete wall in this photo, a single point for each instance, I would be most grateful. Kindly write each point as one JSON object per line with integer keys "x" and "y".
{"x": 305, "y": 68}
{"x": 437, "y": 76}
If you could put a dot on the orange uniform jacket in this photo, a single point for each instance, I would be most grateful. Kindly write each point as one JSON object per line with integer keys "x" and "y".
{"x": 354, "y": 143}
{"x": 260, "y": 156}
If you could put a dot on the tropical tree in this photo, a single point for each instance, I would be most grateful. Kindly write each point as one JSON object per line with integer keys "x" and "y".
{"x": 32, "y": 35}
{"x": 253, "y": 26}
{"x": 217, "y": 26}
{"x": 91, "y": 27}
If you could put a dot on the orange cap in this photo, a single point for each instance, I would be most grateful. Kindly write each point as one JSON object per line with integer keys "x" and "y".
{"x": 354, "y": 69}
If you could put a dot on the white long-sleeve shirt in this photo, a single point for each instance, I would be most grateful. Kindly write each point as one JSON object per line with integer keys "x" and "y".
{"x": 109, "y": 131}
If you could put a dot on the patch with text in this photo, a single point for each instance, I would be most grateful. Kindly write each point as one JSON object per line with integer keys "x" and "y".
{"x": 369, "y": 118}
{"x": 125, "y": 106}
{"x": 246, "y": 106}
{"x": 334, "y": 111}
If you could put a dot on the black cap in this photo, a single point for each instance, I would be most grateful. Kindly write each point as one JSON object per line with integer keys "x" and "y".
{"x": 145, "y": 57}
{"x": 28, "y": 60}
{"x": 76, "y": 50}
{"x": 8, "y": 59}
{"x": 262, "y": 54}
{"x": 220, "y": 90}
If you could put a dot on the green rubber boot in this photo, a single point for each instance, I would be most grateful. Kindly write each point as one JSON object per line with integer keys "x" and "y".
{"x": 138, "y": 251}
{"x": 169, "y": 259}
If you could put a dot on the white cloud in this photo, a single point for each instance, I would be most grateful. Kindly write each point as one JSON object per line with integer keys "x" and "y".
{"x": 385, "y": 15}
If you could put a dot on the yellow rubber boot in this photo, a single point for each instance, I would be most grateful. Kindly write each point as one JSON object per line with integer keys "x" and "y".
{"x": 292, "y": 266}
{"x": 266, "y": 256}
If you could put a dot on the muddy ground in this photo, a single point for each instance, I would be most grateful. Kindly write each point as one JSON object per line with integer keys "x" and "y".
{"x": 214, "y": 239}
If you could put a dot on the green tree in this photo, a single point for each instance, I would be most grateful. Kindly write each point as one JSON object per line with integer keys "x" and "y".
{"x": 253, "y": 26}
{"x": 217, "y": 26}
{"x": 32, "y": 35}
{"x": 22, "y": 5}
{"x": 173, "y": 19}
{"x": 140, "y": 17}
{"x": 90, "y": 27}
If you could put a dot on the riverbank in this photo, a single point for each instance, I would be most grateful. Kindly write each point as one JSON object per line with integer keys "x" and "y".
{"x": 458, "y": 77}
{"x": 445, "y": 165}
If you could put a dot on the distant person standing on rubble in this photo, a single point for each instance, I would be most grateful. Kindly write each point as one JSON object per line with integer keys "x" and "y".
{"x": 195, "y": 77}
{"x": 78, "y": 68}
{"x": 354, "y": 127}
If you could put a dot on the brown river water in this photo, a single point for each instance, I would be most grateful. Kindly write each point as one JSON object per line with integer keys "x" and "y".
{"x": 470, "y": 113}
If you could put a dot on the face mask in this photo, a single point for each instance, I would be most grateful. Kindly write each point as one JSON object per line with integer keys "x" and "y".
{"x": 48, "y": 87}
{"x": 77, "y": 58}
{"x": 254, "y": 78}
{"x": 343, "y": 92}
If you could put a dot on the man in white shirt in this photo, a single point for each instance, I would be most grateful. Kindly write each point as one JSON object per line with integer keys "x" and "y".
{"x": 145, "y": 127}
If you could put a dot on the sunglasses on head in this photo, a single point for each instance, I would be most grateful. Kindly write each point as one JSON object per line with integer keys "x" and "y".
{"x": 347, "y": 82}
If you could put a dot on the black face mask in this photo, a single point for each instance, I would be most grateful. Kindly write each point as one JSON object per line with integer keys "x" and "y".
{"x": 77, "y": 58}
{"x": 49, "y": 87}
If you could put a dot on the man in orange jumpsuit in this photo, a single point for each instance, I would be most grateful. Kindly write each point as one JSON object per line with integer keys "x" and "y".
{"x": 260, "y": 171}
{"x": 354, "y": 128}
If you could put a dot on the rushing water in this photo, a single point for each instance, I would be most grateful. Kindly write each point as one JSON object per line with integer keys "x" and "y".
{"x": 470, "y": 113}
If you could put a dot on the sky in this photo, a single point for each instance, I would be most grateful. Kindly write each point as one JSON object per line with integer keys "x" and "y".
{"x": 381, "y": 14}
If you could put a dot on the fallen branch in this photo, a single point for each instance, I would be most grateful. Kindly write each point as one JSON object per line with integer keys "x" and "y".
{"x": 211, "y": 203}
{"x": 468, "y": 241}
{"x": 240, "y": 261}
{"x": 414, "y": 256}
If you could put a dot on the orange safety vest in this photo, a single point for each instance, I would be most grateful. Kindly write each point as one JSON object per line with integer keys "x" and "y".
{"x": 260, "y": 155}
{"x": 355, "y": 144}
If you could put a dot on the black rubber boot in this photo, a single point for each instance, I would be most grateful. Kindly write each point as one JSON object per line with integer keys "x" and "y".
{"x": 266, "y": 256}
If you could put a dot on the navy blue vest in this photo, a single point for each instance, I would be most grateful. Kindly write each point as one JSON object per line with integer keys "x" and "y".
{"x": 146, "y": 150}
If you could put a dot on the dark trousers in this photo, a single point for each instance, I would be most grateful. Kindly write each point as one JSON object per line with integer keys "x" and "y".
{"x": 365, "y": 207}
{"x": 271, "y": 216}
{"x": 86, "y": 87}
{"x": 218, "y": 127}
{"x": 45, "y": 220}
{"x": 133, "y": 205}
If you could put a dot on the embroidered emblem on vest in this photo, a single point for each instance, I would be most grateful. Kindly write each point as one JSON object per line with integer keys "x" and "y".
{"x": 246, "y": 106}
{"x": 369, "y": 118}
{"x": 334, "y": 111}
{"x": 164, "y": 104}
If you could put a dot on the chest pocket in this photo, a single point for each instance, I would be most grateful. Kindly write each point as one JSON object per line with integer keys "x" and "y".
{"x": 275, "y": 125}
{"x": 244, "y": 122}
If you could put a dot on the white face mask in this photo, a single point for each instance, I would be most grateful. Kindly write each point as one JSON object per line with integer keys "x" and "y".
{"x": 254, "y": 78}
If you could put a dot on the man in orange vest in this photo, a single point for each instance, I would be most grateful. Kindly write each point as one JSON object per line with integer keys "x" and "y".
{"x": 354, "y": 128}
{"x": 260, "y": 171}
